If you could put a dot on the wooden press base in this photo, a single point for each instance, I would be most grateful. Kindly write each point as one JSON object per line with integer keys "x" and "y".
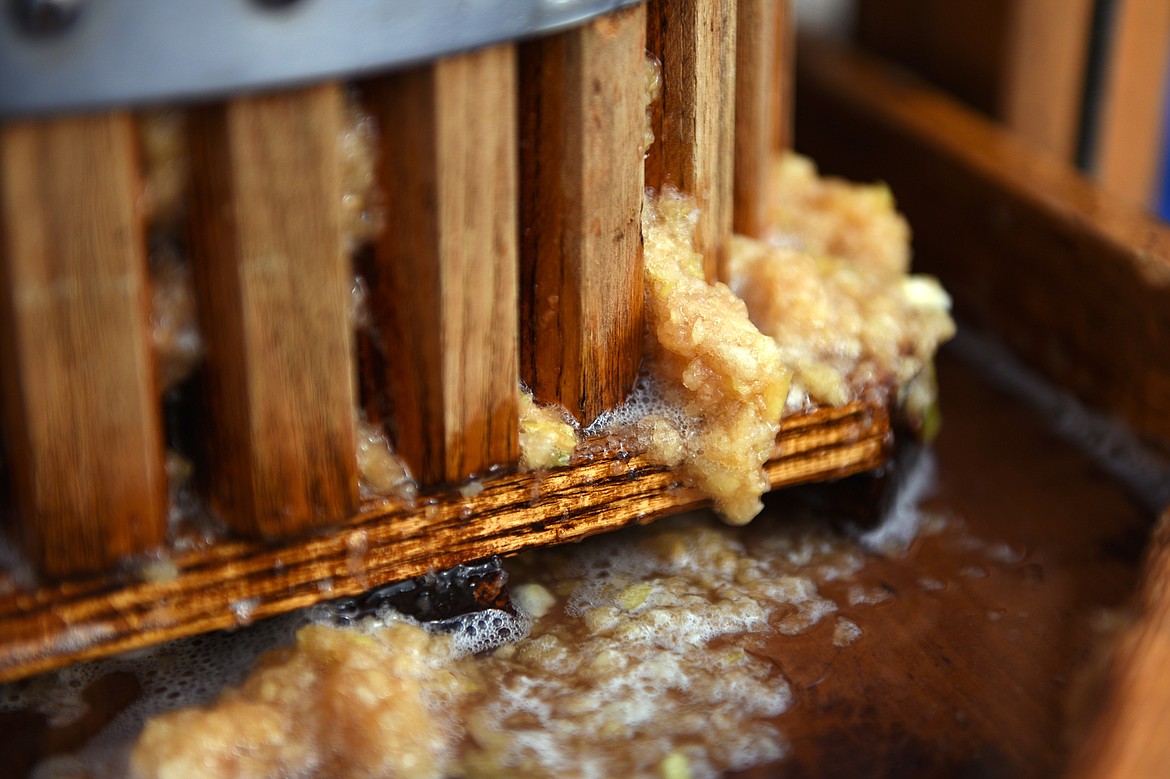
{"x": 972, "y": 679}
{"x": 57, "y": 624}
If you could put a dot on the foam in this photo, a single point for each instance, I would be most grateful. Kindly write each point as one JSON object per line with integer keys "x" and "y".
{"x": 187, "y": 672}
{"x": 931, "y": 584}
{"x": 863, "y": 596}
{"x": 645, "y": 400}
{"x": 628, "y": 651}
{"x": 845, "y": 632}
{"x": 648, "y": 679}
{"x": 242, "y": 610}
{"x": 485, "y": 630}
{"x": 1005, "y": 554}
{"x": 192, "y": 672}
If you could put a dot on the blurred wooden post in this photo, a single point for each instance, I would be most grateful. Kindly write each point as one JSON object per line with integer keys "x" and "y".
{"x": 272, "y": 280}
{"x": 1130, "y": 127}
{"x": 783, "y": 68}
{"x": 694, "y": 122}
{"x": 583, "y": 118}
{"x": 1043, "y": 72}
{"x": 444, "y": 294}
{"x": 757, "y": 110}
{"x": 81, "y": 414}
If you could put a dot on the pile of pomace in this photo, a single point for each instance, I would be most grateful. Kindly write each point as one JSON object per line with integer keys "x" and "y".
{"x": 639, "y": 662}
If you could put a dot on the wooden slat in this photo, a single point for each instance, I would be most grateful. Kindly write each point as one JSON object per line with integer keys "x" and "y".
{"x": 1044, "y": 72}
{"x": 1075, "y": 281}
{"x": 272, "y": 281}
{"x": 693, "y": 123}
{"x": 444, "y": 294}
{"x": 81, "y": 418}
{"x": 1128, "y": 734}
{"x": 604, "y": 490}
{"x": 756, "y": 111}
{"x": 1130, "y": 130}
{"x": 783, "y": 69}
{"x": 583, "y": 118}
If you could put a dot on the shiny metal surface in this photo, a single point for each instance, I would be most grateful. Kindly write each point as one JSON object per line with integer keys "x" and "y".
{"x": 142, "y": 51}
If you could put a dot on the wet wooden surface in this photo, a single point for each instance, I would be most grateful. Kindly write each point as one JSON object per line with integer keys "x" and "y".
{"x": 1126, "y": 733}
{"x": 968, "y": 669}
{"x": 975, "y": 679}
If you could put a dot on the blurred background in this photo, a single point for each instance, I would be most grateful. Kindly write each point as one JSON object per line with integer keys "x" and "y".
{"x": 1083, "y": 79}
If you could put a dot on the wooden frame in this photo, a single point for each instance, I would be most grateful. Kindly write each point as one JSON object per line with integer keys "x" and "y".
{"x": 1077, "y": 282}
{"x": 233, "y": 581}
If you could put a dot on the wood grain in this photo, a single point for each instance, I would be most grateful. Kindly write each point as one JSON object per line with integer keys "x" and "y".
{"x": 1075, "y": 281}
{"x": 583, "y": 118}
{"x": 1130, "y": 128}
{"x": 444, "y": 291}
{"x": 81, "y": 417}
{"x": 272, "y": 281}
{"x": 756, "y": 111}
{"x": 1127, "y": 737}
{"x": 605, "y": 489}
{"x": 694, "y": 121}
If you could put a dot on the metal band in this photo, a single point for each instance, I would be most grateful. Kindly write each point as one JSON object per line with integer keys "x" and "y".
{"x": 118, "y": 52}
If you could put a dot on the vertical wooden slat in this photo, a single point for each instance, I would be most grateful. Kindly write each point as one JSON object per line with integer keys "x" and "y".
{"x": 583, "y": 117}
{"x": 272, "y": 281}
{"x": 1130, "y": 127}
{"x": 1043, "y": 72}
{"x": 783, "y": 68}
{"x": 444, "y": 295}
{"x": 694, "y": 122}
{"x": 756, "y": 111}
{"x": 81, "y": 416}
